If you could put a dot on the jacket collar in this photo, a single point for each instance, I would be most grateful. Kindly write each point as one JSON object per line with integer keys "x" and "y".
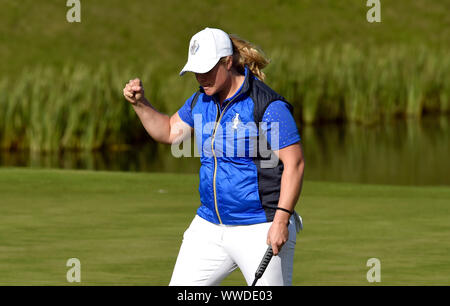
{"x": 248, "y": 80}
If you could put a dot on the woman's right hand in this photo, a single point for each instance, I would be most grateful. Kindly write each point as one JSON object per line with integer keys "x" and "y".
{"x": 134, "y": 91}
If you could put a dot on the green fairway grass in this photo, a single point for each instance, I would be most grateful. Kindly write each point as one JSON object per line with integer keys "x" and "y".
{"x": 126, "y": 229}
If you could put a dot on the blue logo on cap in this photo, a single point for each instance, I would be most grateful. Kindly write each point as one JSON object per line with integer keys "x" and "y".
{"x": 194, "y": 47}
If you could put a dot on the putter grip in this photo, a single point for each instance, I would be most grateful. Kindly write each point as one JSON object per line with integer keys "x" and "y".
{"x": 264, "y": 262}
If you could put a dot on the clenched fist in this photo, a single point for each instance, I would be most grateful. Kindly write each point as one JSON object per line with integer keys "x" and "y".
{"x": 134, "y": 91}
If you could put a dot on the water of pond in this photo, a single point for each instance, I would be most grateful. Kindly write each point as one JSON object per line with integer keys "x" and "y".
{"x": 406, "y": 152}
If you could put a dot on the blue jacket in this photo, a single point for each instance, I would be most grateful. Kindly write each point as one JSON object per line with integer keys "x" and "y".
{"x": 236, "y": 186}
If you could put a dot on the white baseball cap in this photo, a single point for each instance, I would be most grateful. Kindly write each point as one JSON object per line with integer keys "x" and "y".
{"x": 206, "y": 48}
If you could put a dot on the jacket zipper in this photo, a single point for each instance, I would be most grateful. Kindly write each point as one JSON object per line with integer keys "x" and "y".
{"x": 215, "y": 157}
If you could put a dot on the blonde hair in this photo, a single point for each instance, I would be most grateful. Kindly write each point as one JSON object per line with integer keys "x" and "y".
{"x": 245, "y": 53}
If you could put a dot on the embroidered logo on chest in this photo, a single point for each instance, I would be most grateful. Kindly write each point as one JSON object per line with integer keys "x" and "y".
{"x": 235, "y": 121}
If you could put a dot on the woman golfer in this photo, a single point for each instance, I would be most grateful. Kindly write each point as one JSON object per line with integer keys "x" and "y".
{"x": 251, "y": 163}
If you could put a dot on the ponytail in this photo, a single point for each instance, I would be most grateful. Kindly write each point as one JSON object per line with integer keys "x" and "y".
{"x": 245, "y": 53}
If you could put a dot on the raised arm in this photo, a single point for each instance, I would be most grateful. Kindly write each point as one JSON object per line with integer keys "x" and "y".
{"x": 159, "y": 126}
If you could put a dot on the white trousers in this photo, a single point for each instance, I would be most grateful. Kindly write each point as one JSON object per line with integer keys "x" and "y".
{"x": 210, "y": 252}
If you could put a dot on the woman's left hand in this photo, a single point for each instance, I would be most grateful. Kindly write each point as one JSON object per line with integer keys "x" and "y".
{"x": 277, "y": 236}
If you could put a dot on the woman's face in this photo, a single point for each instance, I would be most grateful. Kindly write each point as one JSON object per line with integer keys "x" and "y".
{"x": 214, "y": 80}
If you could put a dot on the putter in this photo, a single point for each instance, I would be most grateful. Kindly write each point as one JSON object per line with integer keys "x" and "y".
{"x": 263, "y": 265}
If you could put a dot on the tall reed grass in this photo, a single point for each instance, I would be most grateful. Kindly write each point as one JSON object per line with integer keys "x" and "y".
{"x": 81, "y": 107}
{"x": 350, "y": 84}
